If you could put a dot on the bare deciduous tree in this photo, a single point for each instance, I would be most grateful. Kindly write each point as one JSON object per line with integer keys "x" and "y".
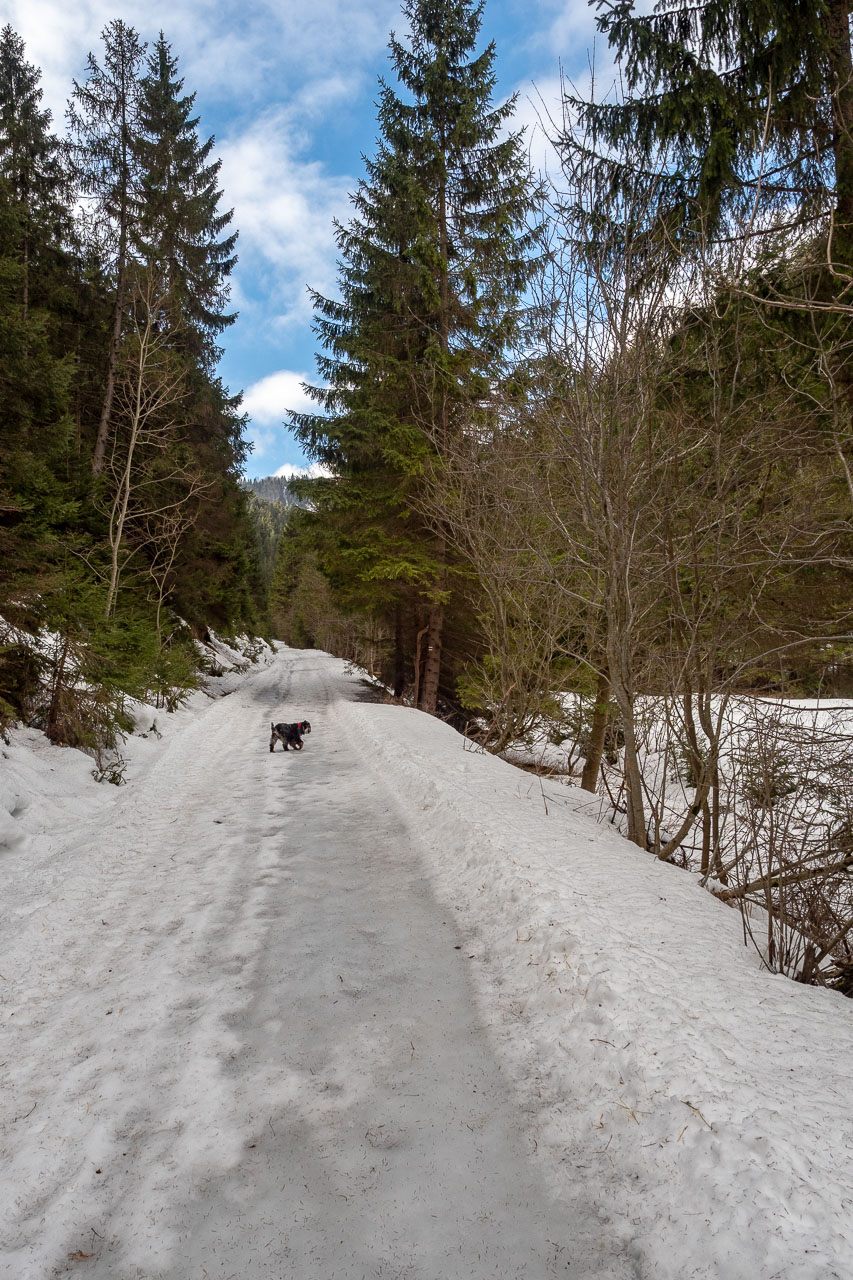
{"x": 151, "y": 484}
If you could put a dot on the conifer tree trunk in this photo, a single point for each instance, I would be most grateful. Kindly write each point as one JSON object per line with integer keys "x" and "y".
{"x": 432, "y": 663}
{"x": 104, "y": 119}
{"x": 399, "y": 652}
{"x": 841, "y": 64}
{"x": 53, "y": 730}
{"x": 26, "y": 281}
{"x": 118, "y": 305}
{"x": 25, "y": 293}
{"x": 109, "y": 388}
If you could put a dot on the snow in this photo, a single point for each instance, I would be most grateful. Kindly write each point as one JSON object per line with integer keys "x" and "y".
{"x": 388, "y": 1007}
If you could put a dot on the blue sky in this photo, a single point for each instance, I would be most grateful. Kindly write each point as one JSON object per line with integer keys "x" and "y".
{"x": 289, "y": 90}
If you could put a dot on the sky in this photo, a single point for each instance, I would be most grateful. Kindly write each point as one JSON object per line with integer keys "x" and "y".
{"x": 289, "y": 91}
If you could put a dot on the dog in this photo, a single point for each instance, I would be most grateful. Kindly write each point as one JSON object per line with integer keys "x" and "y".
{"x": 289, "y": 735}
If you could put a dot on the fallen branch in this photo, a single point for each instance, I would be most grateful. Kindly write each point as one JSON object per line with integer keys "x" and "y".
{"x": 783, "y": 881}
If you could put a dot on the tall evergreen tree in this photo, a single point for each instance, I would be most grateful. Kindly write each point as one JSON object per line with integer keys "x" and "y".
{"x": 104, "y": 119}
{"x": 30, "y": 164}
{"x": 35, "y": 369}
{"x": 179, "y": 222}
{"x": 377, "y": 553}
{"x": 180, "y": 234}
{"x": 751, "y": 100}
{"x": 433, "y": 267}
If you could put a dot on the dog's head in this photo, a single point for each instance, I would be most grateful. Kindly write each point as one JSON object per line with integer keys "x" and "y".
{"x": 304, "y": 727}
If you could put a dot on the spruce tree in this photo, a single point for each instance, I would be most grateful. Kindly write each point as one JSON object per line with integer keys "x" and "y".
{"x": 378, "y": 555}
{"x": 35, "y": 369}
{"x": 179, "y": 223}
{"x": 104, "y": 120}
{"x": 181, "y": 235}
{"x": 434, "y": 264}
{"x": 751, "y": 101}
{"x": 31, "y": 166}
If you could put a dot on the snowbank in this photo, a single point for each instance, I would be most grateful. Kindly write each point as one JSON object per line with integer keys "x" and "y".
{"x": 692, "y": 1101}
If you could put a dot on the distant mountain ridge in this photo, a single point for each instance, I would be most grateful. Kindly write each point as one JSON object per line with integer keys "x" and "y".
{"x": 273, "y": 489}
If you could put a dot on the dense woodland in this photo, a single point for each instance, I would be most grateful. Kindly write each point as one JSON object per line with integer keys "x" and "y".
{"x": 592, "y": 436}
{"x": 585, "y": 440}
{"x": 123, "y": 528}
{"x": 270, "y": 500}
{"x": 597, "y": 426}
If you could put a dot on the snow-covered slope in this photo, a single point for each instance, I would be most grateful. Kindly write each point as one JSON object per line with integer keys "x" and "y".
{"x": 388, "y": 1007}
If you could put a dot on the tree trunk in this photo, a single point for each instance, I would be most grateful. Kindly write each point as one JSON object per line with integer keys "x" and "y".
{"x": 841, "y": 245}
{"x": 633, "y": 781}
{"x": 712, "y": 732}
{"x": 841, "y": 70}
{"x": 620, "y": 667}
{"x": 121, "y": 501}
{"x": 100, "y": 453}
{"x": 702, "y": 780}
{"x": 26, "y": 283}
{"x": 399, "y": 653}
{"x": 705, "y": 864}
{"x": 53, "y": 731}
{"x": 597, "y": 736}
{"x": 635, "y": 809}
{"x": 441, "y": 420}
{"x": 416, "y": 695}
{"x": 432, "y": 663}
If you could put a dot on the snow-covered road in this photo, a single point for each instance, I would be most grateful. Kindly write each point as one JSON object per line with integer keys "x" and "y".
{"x": 240, "y": 1037}
{"x": 387, "y": 1009}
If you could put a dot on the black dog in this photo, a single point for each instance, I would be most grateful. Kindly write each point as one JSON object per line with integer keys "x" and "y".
{"x": 289, "y": 735}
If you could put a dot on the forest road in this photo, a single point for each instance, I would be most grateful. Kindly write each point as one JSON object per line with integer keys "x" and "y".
{"x": 247, "y": 1030}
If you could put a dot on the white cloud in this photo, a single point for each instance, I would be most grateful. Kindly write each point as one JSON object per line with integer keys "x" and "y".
{"x": 537, "y": 110}
{"x": 571, "y": 29}
{"x": 284, "y": 207}
{"x": 269, "y": 400}
{"x": 238, "y": 51}
{"x": 275, "y": 64}
{"x": 57, "y": 38}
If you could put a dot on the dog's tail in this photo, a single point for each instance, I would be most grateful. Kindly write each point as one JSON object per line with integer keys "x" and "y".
{"x": 272, "y": 727}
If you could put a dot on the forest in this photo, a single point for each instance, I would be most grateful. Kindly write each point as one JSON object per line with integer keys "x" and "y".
{"x": 585, "y": 437}
{"x": 123, "y": 527}
{"x": 588, "y": 437}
